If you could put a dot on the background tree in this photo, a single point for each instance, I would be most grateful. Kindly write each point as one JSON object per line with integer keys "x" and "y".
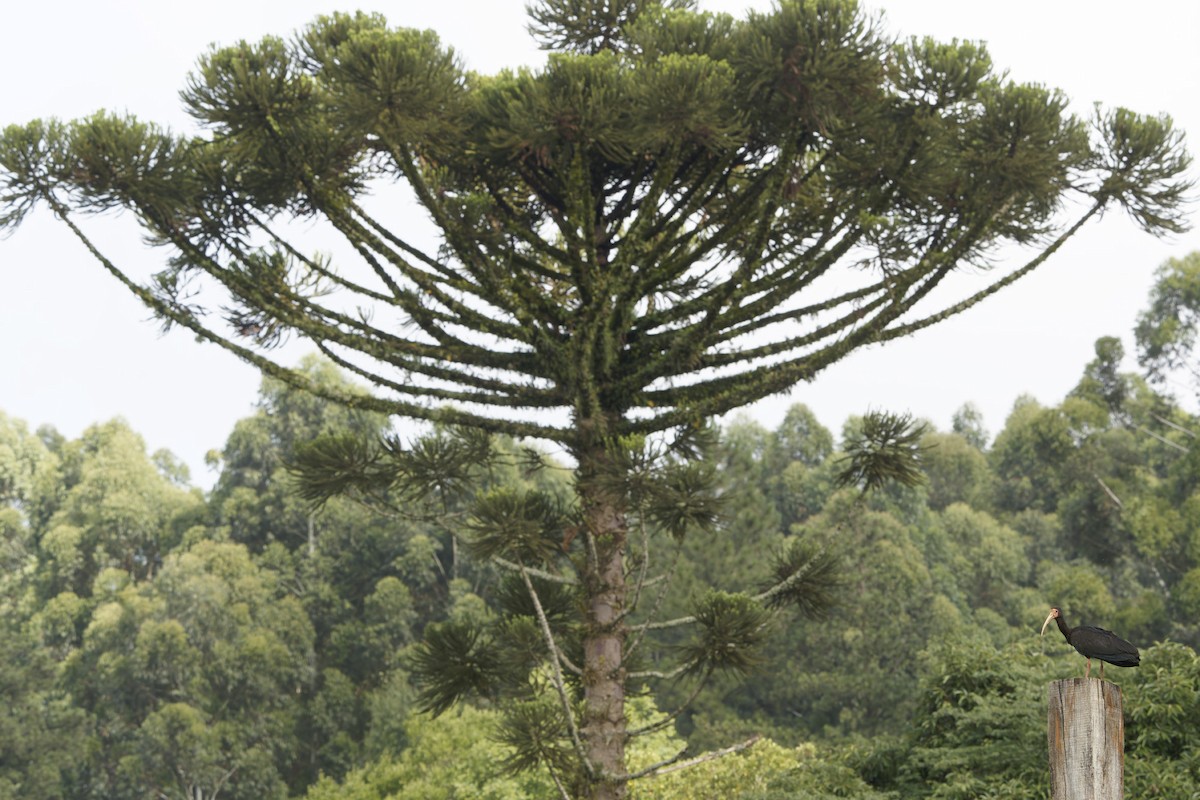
{"x": 979, "y": 730}
{"x": 1166, "y": 331}
{"x": 968, "y": 423}
{"x": 956, "y": 469}
{"x": 42, "y": 734}
{"x": 194, "y": 679}
{"x": 139, "y": 684}
{"x": 28, "y": 469}
{"x": 1163, "y": 703}
{"x": 631, "y": 238}
{"x": 250, "y": 495}
{"x": 114, "y": 508}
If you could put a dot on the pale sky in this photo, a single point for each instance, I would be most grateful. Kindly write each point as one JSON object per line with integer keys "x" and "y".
{"x": 76, "y": 349}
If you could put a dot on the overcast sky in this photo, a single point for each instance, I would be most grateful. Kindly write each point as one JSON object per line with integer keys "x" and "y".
{"x": 76, "y": 349}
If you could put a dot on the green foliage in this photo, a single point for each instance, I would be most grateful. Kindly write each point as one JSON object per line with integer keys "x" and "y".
{"x": 883, "y": 448}
{"x": 42, "y": 733}
{"x": 1079, "y": 589}
{"x": 986, "y": 557}
{"x": 179, "y": 753}
{"x": 456, "y": 755}
{"x": 694, "y": 135}
{"x": 1102, "y": 383}
{"x": 335, "y": 465}
{"x": 980, "y": 725}
{"x": 1144, "y": 162}
{"x": 192, "y": 678}
{"x": 732, "y": 629}
{"x": 839, "y": 674}
{"x": 800, "y": 438}
{"x": 682, "y": 499}
{"x": 766, "y": 771}
{"x": 117, "y": 511}
{"x": 913, "y": 669}
{"x": 1028, "y": 457}
{"x": 956, "y": 471}
{"x": 968, "y": 423}
{"x": 532, "y": 731}
{"x": 454, "y": 659}
{"x": 1166, "y": 331}
{"x": 253, "y": 496}
{"x": 450, "y": 756}
{"x": 526, "y": 527}
{"x": 1164, "y": 704}
{"x": 588, "y": 26}
{"x": 27, "y": 470}
{"x": 1163, "y": 760}
{"x": 805, "y": 577}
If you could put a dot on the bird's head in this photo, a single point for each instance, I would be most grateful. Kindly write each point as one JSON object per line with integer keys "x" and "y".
{"x": 1054, "y": 614}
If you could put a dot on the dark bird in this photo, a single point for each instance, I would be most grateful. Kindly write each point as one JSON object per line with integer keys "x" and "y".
{"x": 1095, "y": 643}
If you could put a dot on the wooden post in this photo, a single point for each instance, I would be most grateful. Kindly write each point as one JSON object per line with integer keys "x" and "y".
{"x": 1086, "y": 731}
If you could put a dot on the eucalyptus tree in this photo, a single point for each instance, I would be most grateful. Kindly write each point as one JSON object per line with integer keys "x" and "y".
{"x": 1166, "y": 330}
{"x": 678, "y": 213}
{"x": 115, "y": 509}
{"x": 194, "y": 680}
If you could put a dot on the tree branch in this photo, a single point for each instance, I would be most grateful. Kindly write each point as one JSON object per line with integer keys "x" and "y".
{"x": 559, "y": 685}
{"x": 538, "y": 573}
{"x": 674, "y": 764}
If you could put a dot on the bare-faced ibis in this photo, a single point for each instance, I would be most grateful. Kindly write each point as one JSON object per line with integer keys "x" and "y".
{"x": 1095, "y": 643}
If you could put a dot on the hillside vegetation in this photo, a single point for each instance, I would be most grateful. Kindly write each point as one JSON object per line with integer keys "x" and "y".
{"x": 161, "y": 642}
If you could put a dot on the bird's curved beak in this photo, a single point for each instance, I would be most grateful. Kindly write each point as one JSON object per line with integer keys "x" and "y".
{"x": 1047, "y": 622}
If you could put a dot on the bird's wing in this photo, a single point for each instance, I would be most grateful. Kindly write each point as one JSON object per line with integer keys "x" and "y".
{"x": 1094, "y": 629}
{"x": 1104, "y": 644}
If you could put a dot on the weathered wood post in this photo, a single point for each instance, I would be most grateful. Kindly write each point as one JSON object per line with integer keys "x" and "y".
{"x": 1086, "y": 731}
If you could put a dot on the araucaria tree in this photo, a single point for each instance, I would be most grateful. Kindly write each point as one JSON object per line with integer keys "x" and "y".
{"x": 677, "y": 214}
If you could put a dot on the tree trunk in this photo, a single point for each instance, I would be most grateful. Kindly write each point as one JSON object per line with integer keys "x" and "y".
{"x": 1086, "y": 733}
{"x": 604, "y": 725}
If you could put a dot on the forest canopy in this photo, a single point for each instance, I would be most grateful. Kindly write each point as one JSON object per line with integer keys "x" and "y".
{"x": 158, "y": 640}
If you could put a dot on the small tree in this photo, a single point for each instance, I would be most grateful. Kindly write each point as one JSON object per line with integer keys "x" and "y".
{"x": 678, "y": 214}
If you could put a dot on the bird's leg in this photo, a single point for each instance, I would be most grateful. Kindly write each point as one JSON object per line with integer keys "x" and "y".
{"x": 1087, "y": 671}
{"x": 1101, "y": 670}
